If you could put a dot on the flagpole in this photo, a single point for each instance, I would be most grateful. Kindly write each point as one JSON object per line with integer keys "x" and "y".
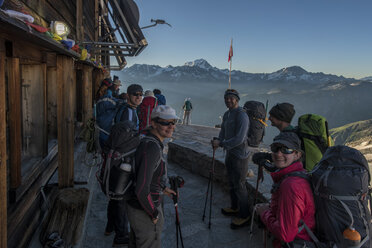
{"x": 230, "y": 66}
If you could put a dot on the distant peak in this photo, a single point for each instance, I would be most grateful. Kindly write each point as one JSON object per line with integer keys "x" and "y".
{"x": 297, "y": 70}
{"x": 202, "y": 63}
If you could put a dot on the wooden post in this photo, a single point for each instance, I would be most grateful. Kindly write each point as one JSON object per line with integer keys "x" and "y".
{"x": 3, "y": 158}
{"x": 79, "y": 20}
{"x": 45, "y": 111}
{"x": 65, "y": 120}
{"x": 15, "y": 111}
{"x": 96, "y": 20}
{"x": 87, "y": 93}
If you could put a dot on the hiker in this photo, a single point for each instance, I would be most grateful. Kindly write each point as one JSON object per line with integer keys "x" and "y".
{"x": 106, "y": 107}
{"x": 281, "y": 116}
{"x": 145, "y": 211}
{"x": 160, "y": 97}
{"x": 116, "y": 214}
{"x": 233, "y": 138}
{"x": 187, "y": 107}
{"x": 105, "y": 85}
{"x": 128, "y": 111}
{"x": 149, "y": 102}
{"x": 292, "y": 197}
{"x": 115, "y": 88}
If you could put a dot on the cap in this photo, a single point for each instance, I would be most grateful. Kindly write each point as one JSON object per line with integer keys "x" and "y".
{"x": 117, "y": 82}
{"x": 133, "y": 88}
{"x": 283, "y": 111}
{"x": 149, "y": 93}
{"x": 232, "y": 92}
{"x": 288, "y": 139}
{"x": 164, "y": 112}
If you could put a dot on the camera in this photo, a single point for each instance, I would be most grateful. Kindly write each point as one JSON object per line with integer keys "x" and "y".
{"x": 175, "y": 183}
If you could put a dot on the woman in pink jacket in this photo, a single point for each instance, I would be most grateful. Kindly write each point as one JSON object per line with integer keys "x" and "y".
{"x": 292, "y": 198}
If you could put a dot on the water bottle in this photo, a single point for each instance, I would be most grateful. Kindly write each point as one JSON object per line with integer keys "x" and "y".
{"x": 126, "y": 167}
{"x": 351, "y": 236}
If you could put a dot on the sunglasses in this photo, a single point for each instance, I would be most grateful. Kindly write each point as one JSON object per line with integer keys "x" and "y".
{"x": 282, "y": 149}
{"x": 166, "y": 123}
{"x": 137, "y": 94}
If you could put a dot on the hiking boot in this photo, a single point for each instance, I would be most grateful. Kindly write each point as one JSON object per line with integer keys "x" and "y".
{"x": 239, "y": 222}
{"x": 120, "y": 241}
{"x": 108, "y": 230}
{"x": 229, "y": 211}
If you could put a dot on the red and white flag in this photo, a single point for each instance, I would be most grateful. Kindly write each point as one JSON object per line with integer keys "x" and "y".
{"x": 230, "y": 53}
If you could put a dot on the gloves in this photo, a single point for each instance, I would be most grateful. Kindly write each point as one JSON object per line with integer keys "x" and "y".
{"x": 264, "y": 159}
{"x": 259, "y": 156}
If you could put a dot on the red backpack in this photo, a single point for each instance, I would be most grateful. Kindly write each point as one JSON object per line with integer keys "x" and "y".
{"x": 145, "y": 110}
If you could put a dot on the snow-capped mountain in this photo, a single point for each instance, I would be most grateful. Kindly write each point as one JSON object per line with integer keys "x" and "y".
{"x": 201, "y": 71}
{"x": 369, "y": 79}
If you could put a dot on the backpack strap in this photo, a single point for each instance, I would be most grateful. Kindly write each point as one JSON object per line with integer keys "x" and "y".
{"x": 318, "y": 140}
{"x": 151, "y": 139}
{"x": 301, "y": 174}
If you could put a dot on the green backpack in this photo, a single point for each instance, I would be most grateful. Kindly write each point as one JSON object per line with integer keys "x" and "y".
{"x": 313, "y": 132}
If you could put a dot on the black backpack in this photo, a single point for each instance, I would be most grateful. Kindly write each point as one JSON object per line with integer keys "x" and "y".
{"x": 341, "y": 183}
{"x": 257, "y": 114}
{"x": 341, "y": 190}
{"x": 115, "y": 174}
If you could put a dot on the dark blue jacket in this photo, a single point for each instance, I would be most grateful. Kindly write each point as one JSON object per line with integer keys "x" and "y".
{"x": 233, "y": 134}
{"x": 161, "y": 99}
{"x": 106, "y": 108}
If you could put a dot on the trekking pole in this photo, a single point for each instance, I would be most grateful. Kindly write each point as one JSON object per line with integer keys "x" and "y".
{"x": 259, "y": 178}
{"x": 178, "y": 227}
{"x": 210, "y": 201}
{"x": 252, "y": 220}
{"x": 206, "y": 196}
{"x": 177, "y": 182}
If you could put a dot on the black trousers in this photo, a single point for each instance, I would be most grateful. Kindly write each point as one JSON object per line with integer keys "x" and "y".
{"x": 117, "y": 217}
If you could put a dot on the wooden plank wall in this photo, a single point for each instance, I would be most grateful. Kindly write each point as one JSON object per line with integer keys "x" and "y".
{"x": 52, "y": 102}
{"x": 45, "y": 11}
{"x": 34, "y": 110}
{"x": 65, "y": 120}
{"x": 3, "y": 148}
{"x": 87, "y": 93}
{"x": 15, "y": 110}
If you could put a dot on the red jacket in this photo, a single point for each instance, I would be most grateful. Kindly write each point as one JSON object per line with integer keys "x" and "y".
{"x": 145, "y": 110}
{"x": 292, "y": 202}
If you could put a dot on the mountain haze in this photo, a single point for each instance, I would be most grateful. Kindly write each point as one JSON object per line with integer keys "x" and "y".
{"x": 201, "y": 71}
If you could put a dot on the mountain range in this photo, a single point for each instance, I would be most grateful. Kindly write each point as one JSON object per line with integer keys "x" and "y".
{"x": 201, "y": 71}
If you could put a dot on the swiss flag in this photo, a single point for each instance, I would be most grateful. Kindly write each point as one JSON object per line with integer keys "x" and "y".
{"x": 230, "y": 53}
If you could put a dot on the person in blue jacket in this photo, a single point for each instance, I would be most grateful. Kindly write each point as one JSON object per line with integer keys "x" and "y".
{"x": 233, "y": 139}
{"x": 106, "y": 107}
{"x": 160, "y": 97}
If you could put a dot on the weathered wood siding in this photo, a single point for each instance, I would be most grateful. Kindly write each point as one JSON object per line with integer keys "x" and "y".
{"x": 3, "y": 151}
{"x": 45, "y": 11}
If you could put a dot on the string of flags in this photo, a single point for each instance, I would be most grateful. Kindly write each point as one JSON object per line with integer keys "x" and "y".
{"x": 58, "y": 32}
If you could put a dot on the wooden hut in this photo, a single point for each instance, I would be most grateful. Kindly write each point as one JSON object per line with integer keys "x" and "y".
{"x": 46, "y": 96}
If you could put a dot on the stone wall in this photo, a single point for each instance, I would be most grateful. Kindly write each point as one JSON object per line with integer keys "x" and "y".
{"x": 191, "y": 150}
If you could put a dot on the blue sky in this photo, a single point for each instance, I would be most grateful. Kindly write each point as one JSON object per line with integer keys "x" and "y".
{"x": 330, "y": 36}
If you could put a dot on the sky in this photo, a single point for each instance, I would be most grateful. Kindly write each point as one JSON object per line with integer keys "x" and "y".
{"x": 330, "y": 36}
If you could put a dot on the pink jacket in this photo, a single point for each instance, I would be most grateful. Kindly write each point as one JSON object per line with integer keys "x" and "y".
{"x": 292, "y": 202}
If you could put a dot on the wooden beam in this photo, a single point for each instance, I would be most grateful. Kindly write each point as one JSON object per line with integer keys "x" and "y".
{"x": 96, "y": 20}
{"x": 65, "y": 120}
{"x": 79, "y": 21}
{"x": 45, "y": 117}
{"x": 87, "y": 93}
{"x": 15, "y": 111}
{"x": 3, "y": 158}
